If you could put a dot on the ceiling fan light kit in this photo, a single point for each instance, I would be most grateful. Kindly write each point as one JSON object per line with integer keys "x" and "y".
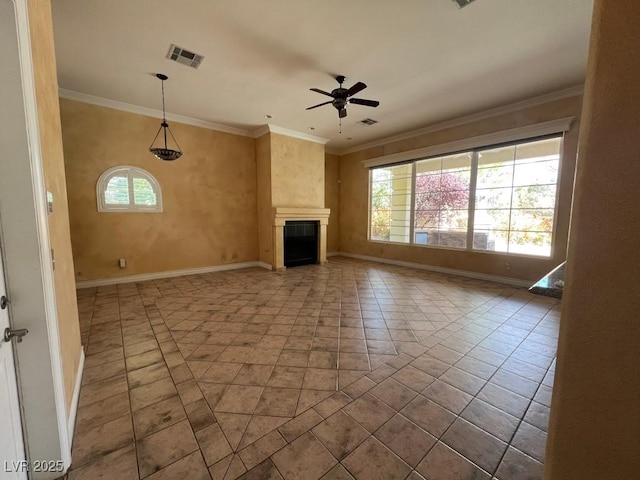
{"x": 163, "y": 152}
{"x": 343, "y": 96}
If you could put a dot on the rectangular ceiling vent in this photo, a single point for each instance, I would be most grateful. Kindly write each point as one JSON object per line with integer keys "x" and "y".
{"x": 367, "y": 121}
{"x": 462, "y": 3}
{"x": 185, "y": 57}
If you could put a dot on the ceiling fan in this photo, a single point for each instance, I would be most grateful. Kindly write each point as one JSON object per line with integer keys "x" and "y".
{"x": 343, "y": 96}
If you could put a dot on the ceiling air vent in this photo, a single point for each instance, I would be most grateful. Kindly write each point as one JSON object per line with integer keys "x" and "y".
{"x": 462, "y": 3}
{"x": 367, "y": 121}
{"x": 185, "y": 57}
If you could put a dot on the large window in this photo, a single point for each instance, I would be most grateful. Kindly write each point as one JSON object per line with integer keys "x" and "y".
{"x": 128, "y": 189}
{"x": 498, "y": 199}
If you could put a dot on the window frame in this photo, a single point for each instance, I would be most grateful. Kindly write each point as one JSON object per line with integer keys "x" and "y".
{"x": 130, "y": 172}
{"x": 474, "y": 152}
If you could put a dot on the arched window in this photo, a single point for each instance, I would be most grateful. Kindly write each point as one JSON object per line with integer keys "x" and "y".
{"x": 128, "y": 189}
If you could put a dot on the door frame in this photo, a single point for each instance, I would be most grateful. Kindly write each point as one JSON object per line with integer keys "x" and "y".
{"x": 39, "y": 361}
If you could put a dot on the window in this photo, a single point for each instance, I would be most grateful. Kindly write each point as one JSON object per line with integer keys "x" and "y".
{"x": 391, "y": 203}
{"x": 128, "y": 189}
{"x": 498, "y": 199}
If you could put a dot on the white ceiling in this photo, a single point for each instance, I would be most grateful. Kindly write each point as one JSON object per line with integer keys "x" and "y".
{"x": 426, "y": 61}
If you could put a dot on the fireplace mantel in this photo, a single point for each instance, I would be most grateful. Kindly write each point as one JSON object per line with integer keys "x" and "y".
{"x": 280, "y": 217}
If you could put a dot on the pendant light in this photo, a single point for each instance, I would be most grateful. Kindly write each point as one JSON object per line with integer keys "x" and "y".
{"x": 164, "y": 153}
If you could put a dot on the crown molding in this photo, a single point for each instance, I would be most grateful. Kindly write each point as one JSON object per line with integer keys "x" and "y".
{"x": 150, "y": 112}
{"x": 269, "y": 128}
{"x": 494, "y": 112}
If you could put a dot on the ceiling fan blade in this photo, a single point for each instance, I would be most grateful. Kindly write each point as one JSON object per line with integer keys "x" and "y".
{"x": 320, "y": 104}
{"x": 321, "y": 91}
{"x": 358, "y": 87}
{"x": 362, "y": 101}
{"x": 342, "y": 112}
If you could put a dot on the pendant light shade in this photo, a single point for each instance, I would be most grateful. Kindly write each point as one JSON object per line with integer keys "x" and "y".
{"x": 162, "y": 151}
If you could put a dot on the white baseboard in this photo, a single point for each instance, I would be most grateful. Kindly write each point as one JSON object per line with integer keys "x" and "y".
{"x": 73, "y": 410}
{"x": 266, "y": 265}
{"x": 143, "y": 277}
{"x": 432, "y": 268}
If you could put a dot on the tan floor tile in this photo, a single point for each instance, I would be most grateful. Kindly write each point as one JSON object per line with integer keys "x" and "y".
{"x": 144, "y": 359}
{"x": 475, "y": 444}
{"x": 405, "y": 439}
{"x": 261, "y": 449}
{"x": 212, "y": 392}
{"x": 219, "y": 469}
{"x": 264, "y": 356}
{"x": 199, "y": 414}
{"x": 251, "y": 374}
{"x": 393, "y": 393}
{"x": 157, "y": 416}
{"x": 189, "y": 392}
{"x": 293, "y": 358}
{"x": 530, "y": 440}
{"x": 96, "y": 391}
{"x": 517, "y": 466}
{"x": 191, "y": 467}
{"x": 413, "y": 378}
{"x": 98, "y": 413}
{"x": 337, "y": 473}
{"x": 491, "y": 419}
{"x": 103, "y": 372}
{"x": 165, "y": 447}
{"x": 299, "y": 425}
{"x": 221, "y": 372}
{"x": 340, "y": 434}
{"x": 259, "y": 426}
{"x": 236, "y": 468}
{"x": 147, "y": 374}
{"x": 106, "y": 438}
{"x": 428, "y": 415}
{"x": 304, "y": 459}
{"x": 280, "y": 402}
{"x": 447, "y": 396}
{"x": 373, "y": 461}
{"x": 320, "y": 379}
{"x": 287, "y": 377}
{"x": 141, "y": 347}
{"x": 239, "y": 399}
{"x": 370, "y": 412}
{"x": 347, "y": 377}
{"x": 121, "y": 464}
{"x": 233, "y": 426}
{"x": 213, "y": 444}
{"x": 152, "y": 393}
{"x": 264, "y": 471}
{"x": 442, "y": 463}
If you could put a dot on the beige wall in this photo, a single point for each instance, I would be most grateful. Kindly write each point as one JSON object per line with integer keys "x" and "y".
{"x": 265, "y": 210}
{"x": 209, "y": 195}
{"x": 354, "y": 190}
{"x": 594, "y": 430}
{"x": 297, "y": 172}
{"x": 332, "y": 200}
{"x": 46, "y": 83}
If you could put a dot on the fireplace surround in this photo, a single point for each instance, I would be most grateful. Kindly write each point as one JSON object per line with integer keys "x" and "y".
{"x": 280, "y": 217}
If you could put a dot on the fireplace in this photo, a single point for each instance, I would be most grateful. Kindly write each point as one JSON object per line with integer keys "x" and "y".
{"x": 300, "y": 232}
{"x": 300, "y": 243}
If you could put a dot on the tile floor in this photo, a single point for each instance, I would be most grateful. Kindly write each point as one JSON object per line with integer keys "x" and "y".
{"x": 348, "y": 370}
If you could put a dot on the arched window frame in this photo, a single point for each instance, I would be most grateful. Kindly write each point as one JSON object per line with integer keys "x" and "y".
{"x": 130, "y": 172}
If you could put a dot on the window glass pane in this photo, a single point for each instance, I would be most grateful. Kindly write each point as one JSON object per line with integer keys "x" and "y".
{"x": 538, "y": 173}
{"x": 519, "y": 216}
{"x": 117, "y": 191}
{"x": 391, "y": 203}
{"x": 143, "y": 193}
{"x": 493, "y": 198}
{"x": 442, "y": 200}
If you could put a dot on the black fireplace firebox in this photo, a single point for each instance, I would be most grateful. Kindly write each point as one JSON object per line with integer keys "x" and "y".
{"x": 300, "y": 243}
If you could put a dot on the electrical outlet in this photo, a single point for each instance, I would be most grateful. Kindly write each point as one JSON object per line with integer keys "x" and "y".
{"x": 123, "y": 263}
{"x": 507, "y": 266}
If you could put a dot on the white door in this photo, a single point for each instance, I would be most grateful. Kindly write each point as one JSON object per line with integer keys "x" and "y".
{"x": 13, "y": 466}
